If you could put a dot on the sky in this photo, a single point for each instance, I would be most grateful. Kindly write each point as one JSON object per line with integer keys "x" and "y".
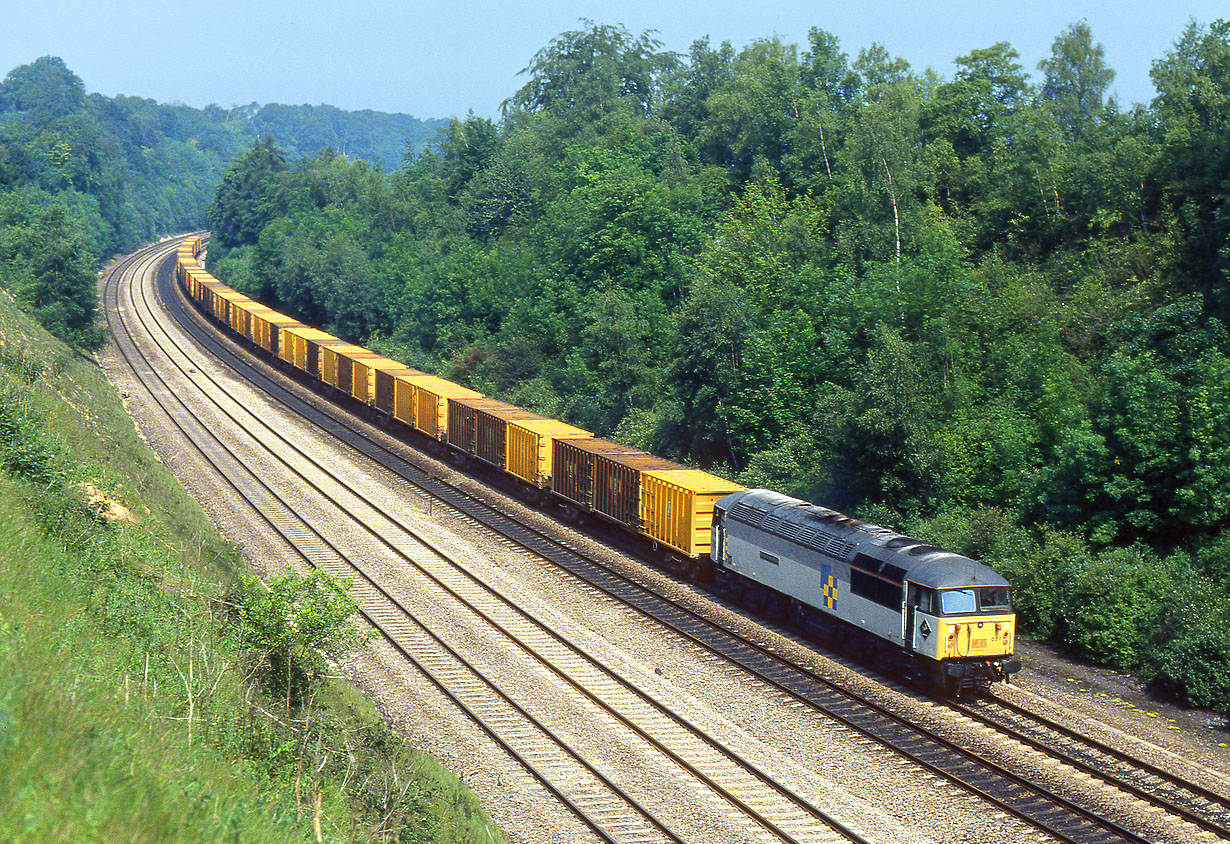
{"x": 439, "y": 59}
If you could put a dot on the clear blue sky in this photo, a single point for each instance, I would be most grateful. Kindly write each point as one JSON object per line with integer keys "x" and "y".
{"x": 441, "y": 59}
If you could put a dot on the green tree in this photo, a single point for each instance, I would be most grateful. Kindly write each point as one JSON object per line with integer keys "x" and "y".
{"x": 1189, "y": 645}
{"x": 750, "y": 117}
{"x": 687, "y": 88}
{"x": 889, "y": 456}
{"x": 1076, "y": 78}
{"x": 1193, "y": 110}
{"x": 45, "y": 87}
{"x": 708, "y": 373}
{"x": 616, "y": 348}
{"x": 47, "y": 261}
{"x": 829, "y": 90}
{"x": 1152, "y": 465}
{"x": 972, "y": 115}
{"x": 884, "y": 174}
{"x": 244, "y": 202}
{"x": 465, "y": 149}
{"x": 588, "y": 73}
{"x": 286, "y": 623}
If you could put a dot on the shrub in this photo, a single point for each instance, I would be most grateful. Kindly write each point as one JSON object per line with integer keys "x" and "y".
{"x": 1113, "y": 604}
{"x": 1189, "y": 652}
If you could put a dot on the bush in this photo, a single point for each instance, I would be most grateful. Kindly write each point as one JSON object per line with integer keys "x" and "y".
{"x": 25, "y": 450}
{"x": 1041, "y": 581}
{"x": 283, "y": 624}
{"x": 1113, "y": 604}
{"x": 1213, "y": 561}
{"x": 1189, "y": 652}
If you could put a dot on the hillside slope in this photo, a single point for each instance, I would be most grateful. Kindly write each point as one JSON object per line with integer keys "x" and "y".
{"x": 125, "y": 712}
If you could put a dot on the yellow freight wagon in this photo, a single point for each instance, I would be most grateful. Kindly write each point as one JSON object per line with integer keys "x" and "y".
{"x": 366, "y": 386}
{"x": 300, "y": 347}
{"x": 267, "y": 324}
{"x": 393, "y": 385}
{"x": 531, "y": 447}
{"x": 337, "y": 363}
{"x": 220, "y": 300}
{"x": 431, "y": 395}
{"x": 199, "y": 285}
{"x": 404, "y": 399}
{"x": 479, "y": 427}
{"x": 241, "y": 316}
{"x": 215, "y": 304}
{"x": 677, "y": 507}
{"x": 191, "y": 286}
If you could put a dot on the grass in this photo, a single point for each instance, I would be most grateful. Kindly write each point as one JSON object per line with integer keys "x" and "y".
{"x": 124, "y": 711}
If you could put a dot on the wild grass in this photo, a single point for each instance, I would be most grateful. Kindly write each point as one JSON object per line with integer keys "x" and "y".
{"x": 124, "y": 713}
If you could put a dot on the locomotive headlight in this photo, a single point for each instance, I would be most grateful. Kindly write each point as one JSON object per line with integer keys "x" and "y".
{"x": 980, "y": 625}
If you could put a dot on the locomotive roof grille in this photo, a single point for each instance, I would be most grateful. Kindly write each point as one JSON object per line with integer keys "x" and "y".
{"x": 809, "y": 536}
{"x": 745, "y": 513}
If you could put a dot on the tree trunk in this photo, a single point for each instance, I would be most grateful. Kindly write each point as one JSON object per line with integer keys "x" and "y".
{"x": 892, "y": 195}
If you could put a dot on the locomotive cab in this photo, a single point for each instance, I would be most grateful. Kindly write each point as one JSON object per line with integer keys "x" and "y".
{"x": 968, "y": 628}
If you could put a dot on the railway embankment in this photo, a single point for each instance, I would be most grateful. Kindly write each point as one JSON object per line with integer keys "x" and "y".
{"x": 126, "y": 710}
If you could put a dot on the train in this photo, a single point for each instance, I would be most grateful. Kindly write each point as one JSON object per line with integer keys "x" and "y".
{"x": 919, "y": 611}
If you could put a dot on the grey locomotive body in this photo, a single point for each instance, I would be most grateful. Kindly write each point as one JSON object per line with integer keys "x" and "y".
{"x": 932, "y": 611}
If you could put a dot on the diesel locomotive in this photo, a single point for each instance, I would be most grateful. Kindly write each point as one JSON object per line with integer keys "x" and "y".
{"x": 925, "y": 612}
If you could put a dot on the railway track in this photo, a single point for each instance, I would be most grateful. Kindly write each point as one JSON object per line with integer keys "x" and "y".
{"x": 1203, "y": 807}
{"x": 1059, "y": 816}
{"x": 770, "y": 810}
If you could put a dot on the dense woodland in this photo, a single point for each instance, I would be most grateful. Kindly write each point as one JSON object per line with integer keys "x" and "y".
{"x": 989, "y": 310}
{"x": 83, "y": 176}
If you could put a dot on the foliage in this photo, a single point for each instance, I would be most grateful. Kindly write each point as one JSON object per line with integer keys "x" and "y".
{"x": 304, "y": 130}
{"x": 990, "y": 305}
{"x": 1111, "y": 604}
{"x": 1189, "y": 646}
{"x": 47, "y": 260}
{"x": 284, "y": 623}
{"x": 85, "y": 176}
{"x": 584, "y": 74}
{"x": 244, "y": 202}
